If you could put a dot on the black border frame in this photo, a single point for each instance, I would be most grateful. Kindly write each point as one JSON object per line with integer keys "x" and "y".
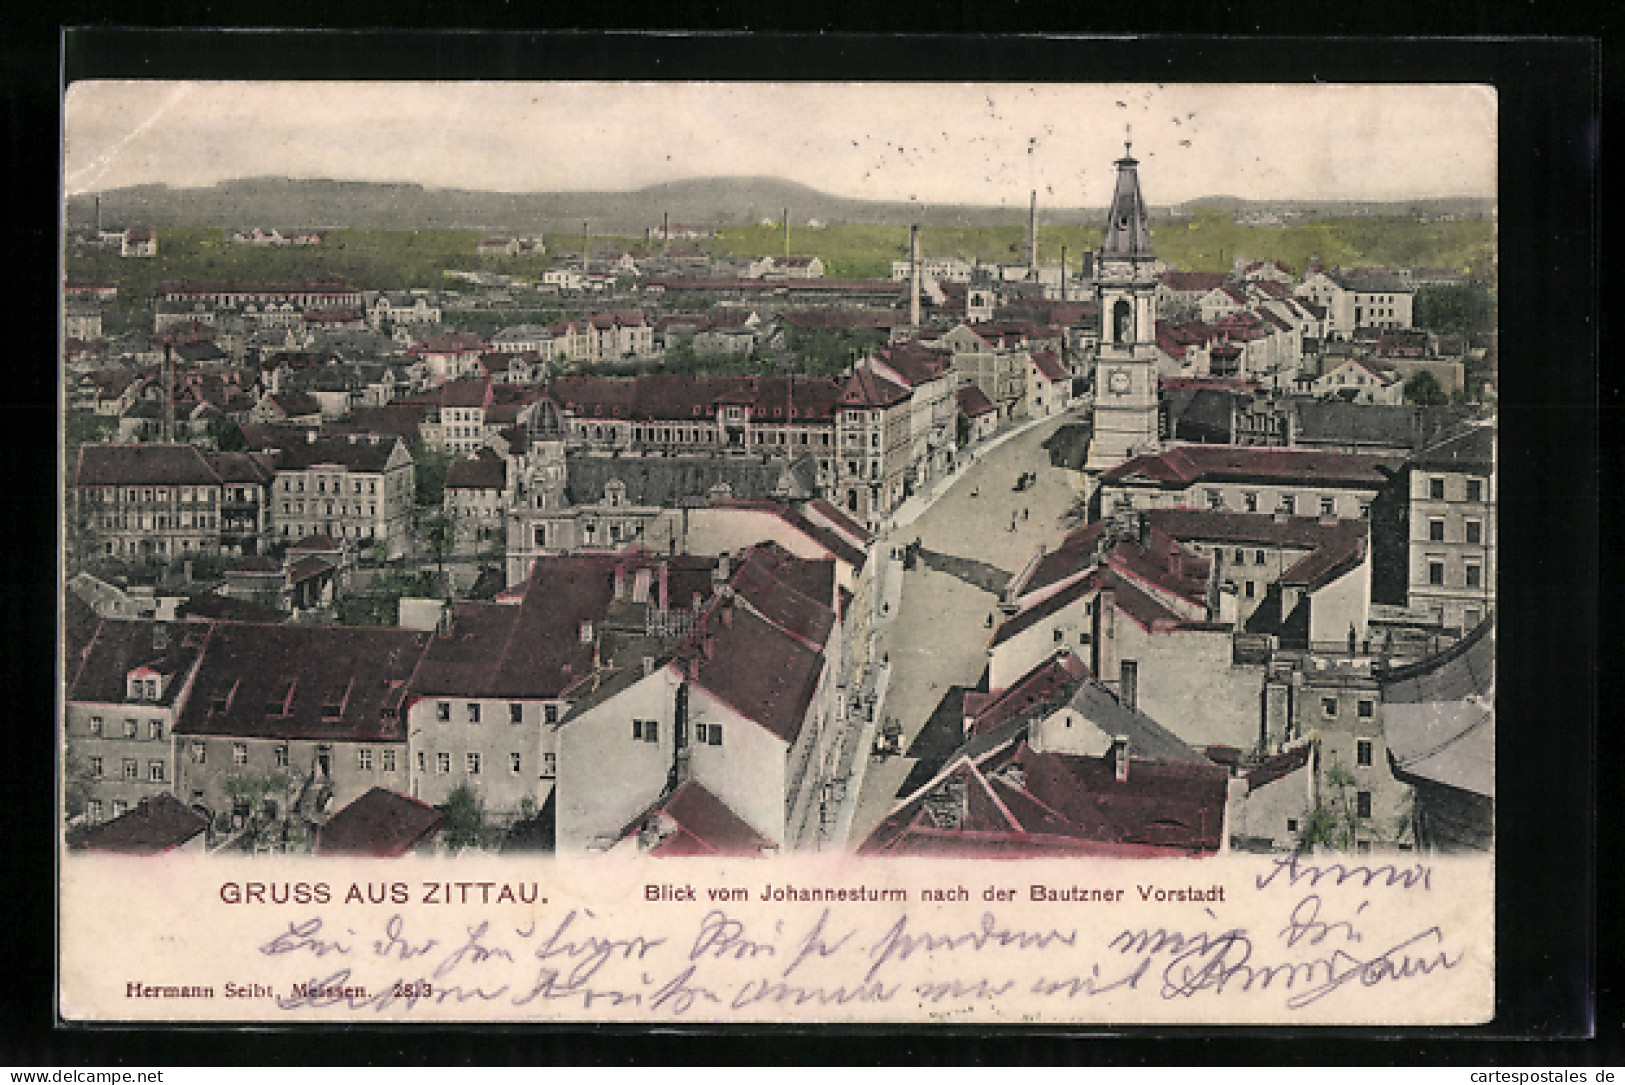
{"x": 1551, "y": 584}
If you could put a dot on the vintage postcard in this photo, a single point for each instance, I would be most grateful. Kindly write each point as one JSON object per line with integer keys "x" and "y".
{"x": 778, "y": 552}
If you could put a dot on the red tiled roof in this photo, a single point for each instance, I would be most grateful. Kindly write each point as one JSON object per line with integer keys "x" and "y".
{"x": 480, "y": 473}
{"x": 843, "y": 523}
{"x": 380, "y": 823}
{"x": 973, "y": 402}
{"x": 361, "y": 456}
{"x": 452, "y": 343}
{"x": 1049, "y": 365}
{"x": 1191, "y": 281}
{"x": 1050, "y": 681}
{"x": 1019, "y": 802}
{"x": 699, "y": 823}
{"x": 157, "y": 824}
{"x": 804, "y": 617}
{"x": 865, "y": 388}
{"x": 1178, "y": 468}
{"x": 464, "y": 393}
{"x": 142, "y": 465}
{"x": 1274, "y": 768}
{"x": 119, "y": 647}
{"x": 681, "y": 397}
{"x": 303, "y": 682}
{"x": 763, "y": 673}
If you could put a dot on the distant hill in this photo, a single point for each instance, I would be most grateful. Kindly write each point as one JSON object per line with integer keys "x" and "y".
{"x": 718, "y": 201}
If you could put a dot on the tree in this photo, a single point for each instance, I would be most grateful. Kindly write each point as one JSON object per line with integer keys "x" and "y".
{"x": 227, "y": 435}
{"x": 1331, "y": 824}
{"x": 429, "y": 475}
{"x": 254, "y": 791}
{"x": 464, "y": 822}
{"x": 439, "y": 533}
{"x": 1463, "y": 309}
{"x": 1425, "y": 391}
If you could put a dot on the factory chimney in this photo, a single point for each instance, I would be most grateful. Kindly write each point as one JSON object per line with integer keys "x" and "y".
{"x": 786, "y": 231}
{"x": 1063, "y": 273}
{"x": 665, "y": 226}
{"x": 98, "y": 216}
{"x": 1032, "y": 236}
{"x": 914, "y": 275}
{"x": 169, "y": 393}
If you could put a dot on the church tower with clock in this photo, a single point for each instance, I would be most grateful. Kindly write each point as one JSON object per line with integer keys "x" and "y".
{"x": 1125, "y": 412}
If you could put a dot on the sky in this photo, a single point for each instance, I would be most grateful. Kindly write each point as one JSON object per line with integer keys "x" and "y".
{"x": 933, "y": 143}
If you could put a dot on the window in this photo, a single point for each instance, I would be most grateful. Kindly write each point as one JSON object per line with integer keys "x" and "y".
{"x": 550, "y": 713}
{"x": 95, "y": 727}
{"x": 132, "y": 769}
{"x": 155, "y": 729}
{"x": 1436, "y": 530}
{"x": 1475, "y": 574}
{"x": 1362, "y": 751}
{"x": 443, "y": 762}
{"x": 421, "y": 767}
{"x": 473, "y": 764}
{"x": 1362, "y": 804}
{"x": 94, "y": 809}
{"x": 513, "y": 763}
{"x": 1475, "y": 532}
{"x": 1241, "y": 556}
{"x": 1291, "y": 825}
{"x": 388, "y": 759}
{"x": 1367, "y": 709}
{"x": 1058, "y": 635}
{"x": 1249, "y": 501}
{"x": 363, "y": 760}
{"x": 1289, "y": 504}
{"x": 473, "y": 713}
{"x": 1248, "y": 589}
{"x": 516, "y": 713}
{"x": 1258, "y": 557}
{"x": 442, "y": 711}
{"x": 155, "y": 772}
{"x": 1365, "y": 510}
{"x": 96, "y": 767}
{"x": 1328, "y": 707}
{"x": 130, "y": 728}
{"x": 1436, "y": 489}
{"x": 1215, "y": 500}
{"x": 1436, "y": 572}
{"x": 646, "y": 730}
{"x": 239, "y": 753}
{"x": 708, "y": 734}
{"x": 1475, "y": 489}
{"x": 119, "y": 807}
{"x": 549, "y": 764}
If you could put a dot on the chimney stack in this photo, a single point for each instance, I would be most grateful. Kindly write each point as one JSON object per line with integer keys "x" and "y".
{"x": 620, "y": 581}
{"x": 1032, "y": 236}
{"x": 1063, "y": 273}
{"x": 663, "y": 601}
{"x": 914, "y": 275}
{"x": 787, "y": 231}
{"x": 665, "y": 226}
{"x": 1120, "y": 758}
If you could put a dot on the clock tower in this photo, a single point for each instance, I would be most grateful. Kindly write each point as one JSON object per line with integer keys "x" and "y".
{"x": 1125, "y": 412}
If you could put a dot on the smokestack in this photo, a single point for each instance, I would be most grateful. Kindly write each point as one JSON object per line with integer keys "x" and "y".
{"x": 98, "y": 216}
{"x": 169, "y": 393}
{"x": 787, "y": 231}
{"x": 914, "y": 275}
{"x": 665, "y": 226}
{"x": 583, "y": 246}
{"x": 1032, "y": 235}
{"x": 1063, "y": 273}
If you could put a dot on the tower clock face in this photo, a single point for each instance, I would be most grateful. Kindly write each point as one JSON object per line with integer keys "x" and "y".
{"x": 1118, "y": 382}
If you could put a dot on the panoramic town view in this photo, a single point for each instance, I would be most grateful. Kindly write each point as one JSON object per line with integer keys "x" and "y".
{"x": 1102, "y": 503}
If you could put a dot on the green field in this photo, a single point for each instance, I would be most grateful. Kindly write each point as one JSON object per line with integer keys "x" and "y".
{"x": 403, "y": 259}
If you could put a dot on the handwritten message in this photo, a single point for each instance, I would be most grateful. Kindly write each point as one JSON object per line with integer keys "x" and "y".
{"x": 1285, "y": 939}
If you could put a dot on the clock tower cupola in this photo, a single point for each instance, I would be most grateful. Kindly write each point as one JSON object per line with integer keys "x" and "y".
{"x": 1125, "y": 411}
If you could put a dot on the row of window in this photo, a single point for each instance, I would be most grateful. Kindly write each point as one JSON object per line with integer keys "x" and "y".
{"x": 1287, "y": 503}
{"x": 474, "y": 762}
{"x": 188, "y": 495}
{"x": 157, "y": 523}
{"x": 1472, "y": 491}
{"x": 1364, "y": 709}
{"x": 1472, "y": 533}
{"x": 290, "y": 508}
{"x": 516, "y": 712}
{"x": 298, "y": 486}
{"x": 705, "y": 734}
{"x": 131, "y": 769}
{"x": 132, "y": 727}
{"x": 1472, "y": 572}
